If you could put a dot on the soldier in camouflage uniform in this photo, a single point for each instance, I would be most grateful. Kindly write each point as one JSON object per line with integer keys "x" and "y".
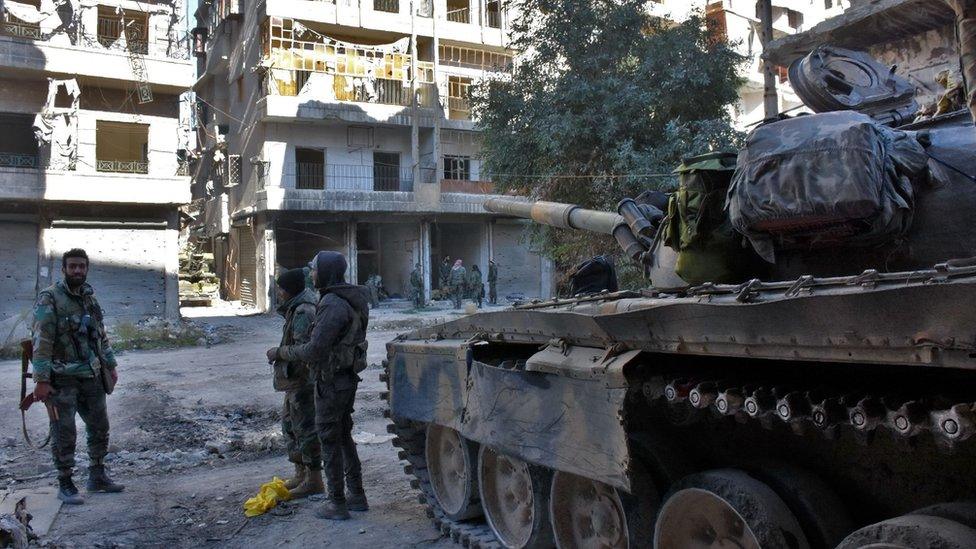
{"x": 297, "y": 306}
{"x": 492, "y": 282}
{"x": 70, "y": 345}
{"x": 458, "y": 282}
{"x": 476, "y": 286}
{"x": 417, "y": 286}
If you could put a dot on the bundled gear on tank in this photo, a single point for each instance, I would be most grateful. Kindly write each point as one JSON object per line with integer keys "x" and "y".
{"x": 837, "y": 178}
{"x": 593, "y": 276}
{"x": 697, "y": 227}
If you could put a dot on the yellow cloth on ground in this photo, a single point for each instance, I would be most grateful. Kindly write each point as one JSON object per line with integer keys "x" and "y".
{"x": 268, "y": 496}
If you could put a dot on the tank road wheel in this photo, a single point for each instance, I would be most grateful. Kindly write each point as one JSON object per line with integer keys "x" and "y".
{"x": 726, "y": 508}
{"x": 821, "y": 514}
{"x": 450, "y": 463}
{"x": 514, "y": 496}
{"x": 911, "y": 532}
{"x": 586, "y": 514}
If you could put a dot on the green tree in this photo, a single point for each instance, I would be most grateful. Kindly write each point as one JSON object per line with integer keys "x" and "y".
{"x": 602, "y": 89}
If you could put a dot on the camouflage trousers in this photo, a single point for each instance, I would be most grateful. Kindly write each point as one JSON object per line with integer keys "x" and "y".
{"x": 334, "y": 400}
{"x": 86, "y": 397}
{"x": 298, "y": 426}
{"x": 492, "y": 293}
{"x": 457, "y": 296}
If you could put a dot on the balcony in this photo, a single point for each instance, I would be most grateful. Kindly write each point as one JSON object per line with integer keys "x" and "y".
{"x": 122, "y": 166}
{"x": 459, "y": 15}
{"x": 389, "y": 6}
{"x": 348, "y": 177}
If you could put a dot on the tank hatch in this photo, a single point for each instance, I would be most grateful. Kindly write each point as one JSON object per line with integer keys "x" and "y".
{"x": 834, "y": 79}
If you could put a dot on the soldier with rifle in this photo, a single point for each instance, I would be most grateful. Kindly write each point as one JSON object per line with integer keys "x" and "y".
{"x": 74, "y": 368}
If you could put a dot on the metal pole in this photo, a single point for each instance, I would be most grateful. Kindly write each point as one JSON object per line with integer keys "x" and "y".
{"x": 770, "y": 99}
{"x": 414, "y": 112}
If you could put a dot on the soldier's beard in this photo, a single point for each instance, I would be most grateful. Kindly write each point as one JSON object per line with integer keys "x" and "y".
{"x": 75, "y": 281}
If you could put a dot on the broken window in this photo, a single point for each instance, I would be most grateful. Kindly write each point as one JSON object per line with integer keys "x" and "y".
{"x": 459, "y": 11}
{"x": 309, "y": 168}
{"x": 121, "y": 147}
{"x": 123, "y": 30}
{"x": 459, "y": 98}
{"x": 386, "y": 171}
{"x": 18, "y": 147}
{"x": 459, "y": 56}
{"x": 457, "y": 168}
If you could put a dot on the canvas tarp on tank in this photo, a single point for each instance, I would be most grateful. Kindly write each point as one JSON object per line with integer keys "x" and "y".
{"x": 825, "y": 179}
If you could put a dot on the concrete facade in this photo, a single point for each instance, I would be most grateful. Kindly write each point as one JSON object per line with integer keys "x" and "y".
{"x": 106, "y": 174}
{"x": 346, "y": 126}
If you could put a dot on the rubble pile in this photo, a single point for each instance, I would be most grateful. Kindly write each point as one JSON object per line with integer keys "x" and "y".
{"x": 198, "y": 281}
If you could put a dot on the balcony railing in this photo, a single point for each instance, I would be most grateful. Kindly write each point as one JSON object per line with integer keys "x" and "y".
{"x": 349, "y": 177}
{"x": 381, "y": 91}
{"x": 391, "y": 6}
{"x": 459, "y": 15}
{"x": 159, "y": 44}
{"x": 122, "y": 166}
{"x": 18, "y": 160}
{"x": 20, "y": 29}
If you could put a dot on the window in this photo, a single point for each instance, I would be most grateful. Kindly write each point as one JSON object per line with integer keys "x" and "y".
{"x": 386, "y": 171}
{"x": 493, "y": 14}
{"x": 234, "y": 167}
{"x": 457, "y": 168}
{"x": 458, "y": 98}
{"x": 18, "y": 148}
{"x": 128, "y": 30}
{"x": 390, "y": 6}
{"x": 121, "y": 147}
{"x": 309, "y": 168}
{"x": 459, "y": 11}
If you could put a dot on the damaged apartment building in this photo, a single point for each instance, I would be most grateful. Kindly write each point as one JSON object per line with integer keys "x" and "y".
{"x": 346, "y": 125}
{"x": 90, "y": 141}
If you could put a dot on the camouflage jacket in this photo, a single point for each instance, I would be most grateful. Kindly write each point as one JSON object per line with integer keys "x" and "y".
{"x": 492, "y": 273}
{"x": 299, "y": 313}
{"x": 69, "y": 333}
{"x": 458, "y": 278}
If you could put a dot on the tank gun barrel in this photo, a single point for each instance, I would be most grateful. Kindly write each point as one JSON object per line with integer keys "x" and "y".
{"x": 557, "y": 214}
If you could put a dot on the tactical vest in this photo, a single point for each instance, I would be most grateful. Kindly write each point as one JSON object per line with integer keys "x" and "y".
{"x": 79, "y": 326}
{"x": 289, "y": 376}
{"x": 349, "y": 354}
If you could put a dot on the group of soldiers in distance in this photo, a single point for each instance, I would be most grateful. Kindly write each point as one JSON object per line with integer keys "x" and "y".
{"x": 463, "y": 284}
{"x": 455, "y": 281}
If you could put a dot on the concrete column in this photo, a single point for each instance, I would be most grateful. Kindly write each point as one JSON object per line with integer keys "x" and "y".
{"x": 172, "y": 266}
{"x": 486, "y": 250}
{"x": 425, "y": 266}
{"x": 267, "y": 251}
{"x": 352, "y": 253}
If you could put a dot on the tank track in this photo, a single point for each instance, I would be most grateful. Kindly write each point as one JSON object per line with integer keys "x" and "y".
{"x": 816, "y": 410}
{"x": 410, "y": 438}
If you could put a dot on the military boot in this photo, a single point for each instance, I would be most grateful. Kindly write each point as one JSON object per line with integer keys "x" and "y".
{"x": 98, "y": 480}
{"x": 299, "y": 477}
{"x": 356, "y": 497}
{"x": 68, "y": 492}
{"x": 333, "y": 509}
{"x": 312, "y": 484}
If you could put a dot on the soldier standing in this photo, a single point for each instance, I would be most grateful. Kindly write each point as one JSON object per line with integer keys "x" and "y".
{"x": 476, "y": 285}
{"x": 492, "y": 282}
{"x": 417, "y": 286}
{"x": 457, "y": 282}
{"x": 336, "y": 352}
{"x": 445, "y": 273}
{"x": 372, "y": 286}
{"x": 297, "y": 306}
{"x": 70, "y": 346}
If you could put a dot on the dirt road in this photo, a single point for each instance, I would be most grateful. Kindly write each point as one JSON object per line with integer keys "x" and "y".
{"x": 194, "y": 433}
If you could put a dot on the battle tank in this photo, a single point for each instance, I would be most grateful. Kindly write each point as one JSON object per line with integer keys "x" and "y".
{"x": 829, "y": 401}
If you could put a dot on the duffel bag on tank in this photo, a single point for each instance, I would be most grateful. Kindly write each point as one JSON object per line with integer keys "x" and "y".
{"x": 829, "y": 179}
